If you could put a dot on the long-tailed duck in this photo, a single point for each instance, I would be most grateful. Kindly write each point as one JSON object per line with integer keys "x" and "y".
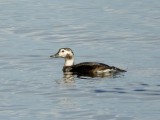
{"x": 85, "y": 68}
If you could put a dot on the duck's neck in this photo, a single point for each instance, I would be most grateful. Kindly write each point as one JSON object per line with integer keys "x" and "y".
{"x": 69, "y": 61}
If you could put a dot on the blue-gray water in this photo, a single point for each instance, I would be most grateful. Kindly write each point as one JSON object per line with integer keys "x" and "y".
{"x": 123, "y": 33}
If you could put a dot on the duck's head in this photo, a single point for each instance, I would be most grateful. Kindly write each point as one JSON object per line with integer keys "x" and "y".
{"x": 66, "y": 53}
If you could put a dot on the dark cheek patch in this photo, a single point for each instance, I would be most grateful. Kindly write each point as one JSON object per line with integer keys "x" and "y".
{"x": 68, "y": 57}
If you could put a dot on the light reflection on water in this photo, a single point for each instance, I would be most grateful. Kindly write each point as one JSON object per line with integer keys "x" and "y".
{"x": 120, "y": 33}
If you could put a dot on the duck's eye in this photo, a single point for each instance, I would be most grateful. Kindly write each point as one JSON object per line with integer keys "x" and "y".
{"x": 62, "y": 50}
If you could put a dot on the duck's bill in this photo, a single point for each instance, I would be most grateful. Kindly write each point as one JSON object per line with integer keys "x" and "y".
{"x": 55, "y": 56}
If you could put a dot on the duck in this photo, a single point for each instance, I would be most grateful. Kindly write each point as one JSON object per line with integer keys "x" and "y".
{"x": 84, "y": 68}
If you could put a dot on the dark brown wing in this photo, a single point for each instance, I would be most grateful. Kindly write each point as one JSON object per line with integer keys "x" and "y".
{"x": 89, "y": 67}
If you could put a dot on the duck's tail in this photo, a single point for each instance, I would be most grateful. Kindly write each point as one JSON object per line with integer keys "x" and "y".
{"x": 118, "y": 69}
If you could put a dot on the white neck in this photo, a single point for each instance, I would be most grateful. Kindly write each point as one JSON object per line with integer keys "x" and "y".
{"x": 69, "y": 62}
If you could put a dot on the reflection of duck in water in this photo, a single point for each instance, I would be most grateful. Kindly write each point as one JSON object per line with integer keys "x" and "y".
{"x": 92, "y": 69}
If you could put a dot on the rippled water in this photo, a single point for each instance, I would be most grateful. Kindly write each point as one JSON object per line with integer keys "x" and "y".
{"x": 122, "y": 33}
